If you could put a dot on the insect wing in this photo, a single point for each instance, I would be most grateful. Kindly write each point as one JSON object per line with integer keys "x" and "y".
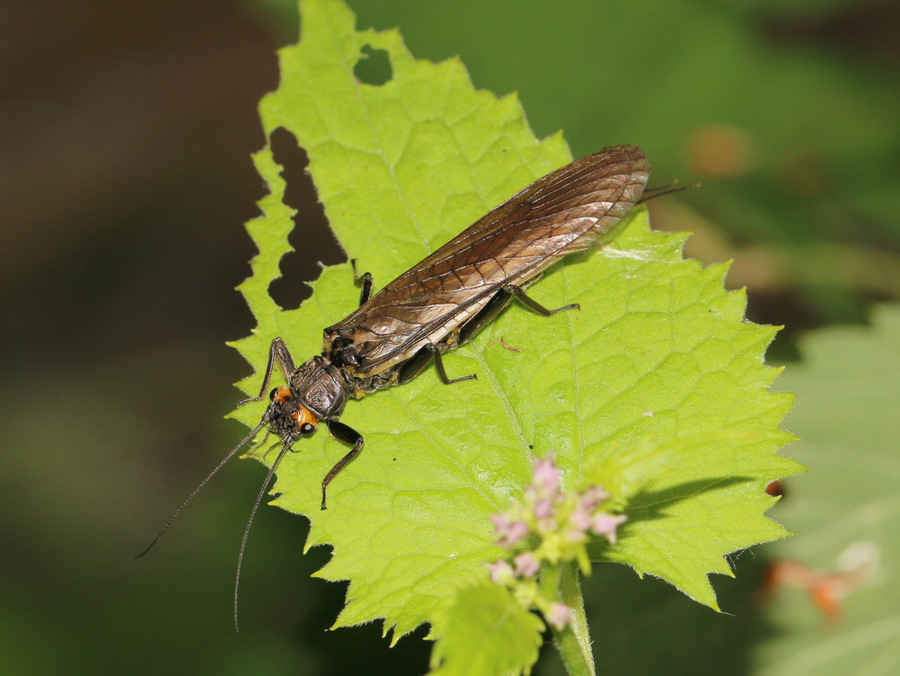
{"x": 561, "y": 213}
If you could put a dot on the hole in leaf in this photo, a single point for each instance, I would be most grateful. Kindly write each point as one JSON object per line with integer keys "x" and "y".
{"x": 373, "y": 67}
{"x": 311, "y": 238}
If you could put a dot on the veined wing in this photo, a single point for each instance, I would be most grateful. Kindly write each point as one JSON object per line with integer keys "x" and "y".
{"x": 563, "y": 212}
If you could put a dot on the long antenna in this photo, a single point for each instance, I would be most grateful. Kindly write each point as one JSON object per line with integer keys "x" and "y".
{"x": 209, "y": 476}
{"x": 262, "y": 491}
{"x": 664, "y": 190}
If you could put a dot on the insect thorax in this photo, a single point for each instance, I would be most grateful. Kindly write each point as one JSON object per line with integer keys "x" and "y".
{"x": 321, "y": 387}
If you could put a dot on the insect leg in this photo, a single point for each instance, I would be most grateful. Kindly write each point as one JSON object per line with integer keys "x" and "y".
{"x": 533, "y": 305}
{"x": 415, "y": 364}
{"x": 441, "y": 371}
{"x": 485, "y": 315}
{"x": 496, "y": 304}
{"x": 348, "y": 435}
{"x": 279, "y": 352}
{"x": 365, "y": 282}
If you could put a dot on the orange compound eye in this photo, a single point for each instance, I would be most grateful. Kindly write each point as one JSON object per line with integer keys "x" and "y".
{"x": 306, "y": 420}
{"x": 280, "y": 395}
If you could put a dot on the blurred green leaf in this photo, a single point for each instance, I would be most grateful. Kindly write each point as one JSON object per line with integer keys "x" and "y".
{"x": 848, "y": 395}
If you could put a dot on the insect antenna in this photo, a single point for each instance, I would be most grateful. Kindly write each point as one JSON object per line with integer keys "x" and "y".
{"x": 209, "y": 476}
{"x": 664, "y": 190}
{"x": 288, "y": 442}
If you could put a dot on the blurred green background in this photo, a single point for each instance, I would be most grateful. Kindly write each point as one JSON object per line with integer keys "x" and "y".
{"x": 125, "y": 179}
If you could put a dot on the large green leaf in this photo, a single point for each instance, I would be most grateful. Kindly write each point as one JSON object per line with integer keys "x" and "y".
{"x": 658, "y": 349}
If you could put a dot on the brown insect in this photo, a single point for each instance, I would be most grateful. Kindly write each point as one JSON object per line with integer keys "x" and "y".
{"x": 441, "y": 302}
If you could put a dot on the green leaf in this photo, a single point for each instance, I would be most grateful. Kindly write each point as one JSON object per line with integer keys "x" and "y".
{"x": 488, "y": 632}
{"x": 671, "y": 532}
{"x": 848, "y": 395}
{"x": 625, "y": 472}
{"x": 657, "y": 348}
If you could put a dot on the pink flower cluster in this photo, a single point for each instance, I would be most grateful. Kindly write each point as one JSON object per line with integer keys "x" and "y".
{"x": 556, "y": 525}
{"x": 547, "y": 510}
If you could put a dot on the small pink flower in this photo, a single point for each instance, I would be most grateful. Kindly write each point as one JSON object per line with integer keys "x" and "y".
{"x": 509, "y": 532}
{"x": 526, "y": 565}
{"x": 558, "y": 615}
{"x": 576, "y": 535}
{"x": 543, "y": 509}
{"x": 581, "y": 517}
{"x": 593, "y": 497}
{"x": 517, "y": 531}
{"x": 606, "y": 524}
{"x": 501, "y": 572}
{"x": 546, "y": 477}
{"x": 501, "y": 522}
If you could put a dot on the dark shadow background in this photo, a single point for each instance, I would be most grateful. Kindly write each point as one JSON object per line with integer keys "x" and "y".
{"x": 125, "y": 179}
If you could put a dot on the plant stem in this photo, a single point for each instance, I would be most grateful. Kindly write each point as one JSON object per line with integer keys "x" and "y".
{"x": 573, "y": 641}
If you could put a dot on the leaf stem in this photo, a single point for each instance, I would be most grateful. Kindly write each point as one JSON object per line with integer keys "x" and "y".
{"x": 573, "y": 641}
